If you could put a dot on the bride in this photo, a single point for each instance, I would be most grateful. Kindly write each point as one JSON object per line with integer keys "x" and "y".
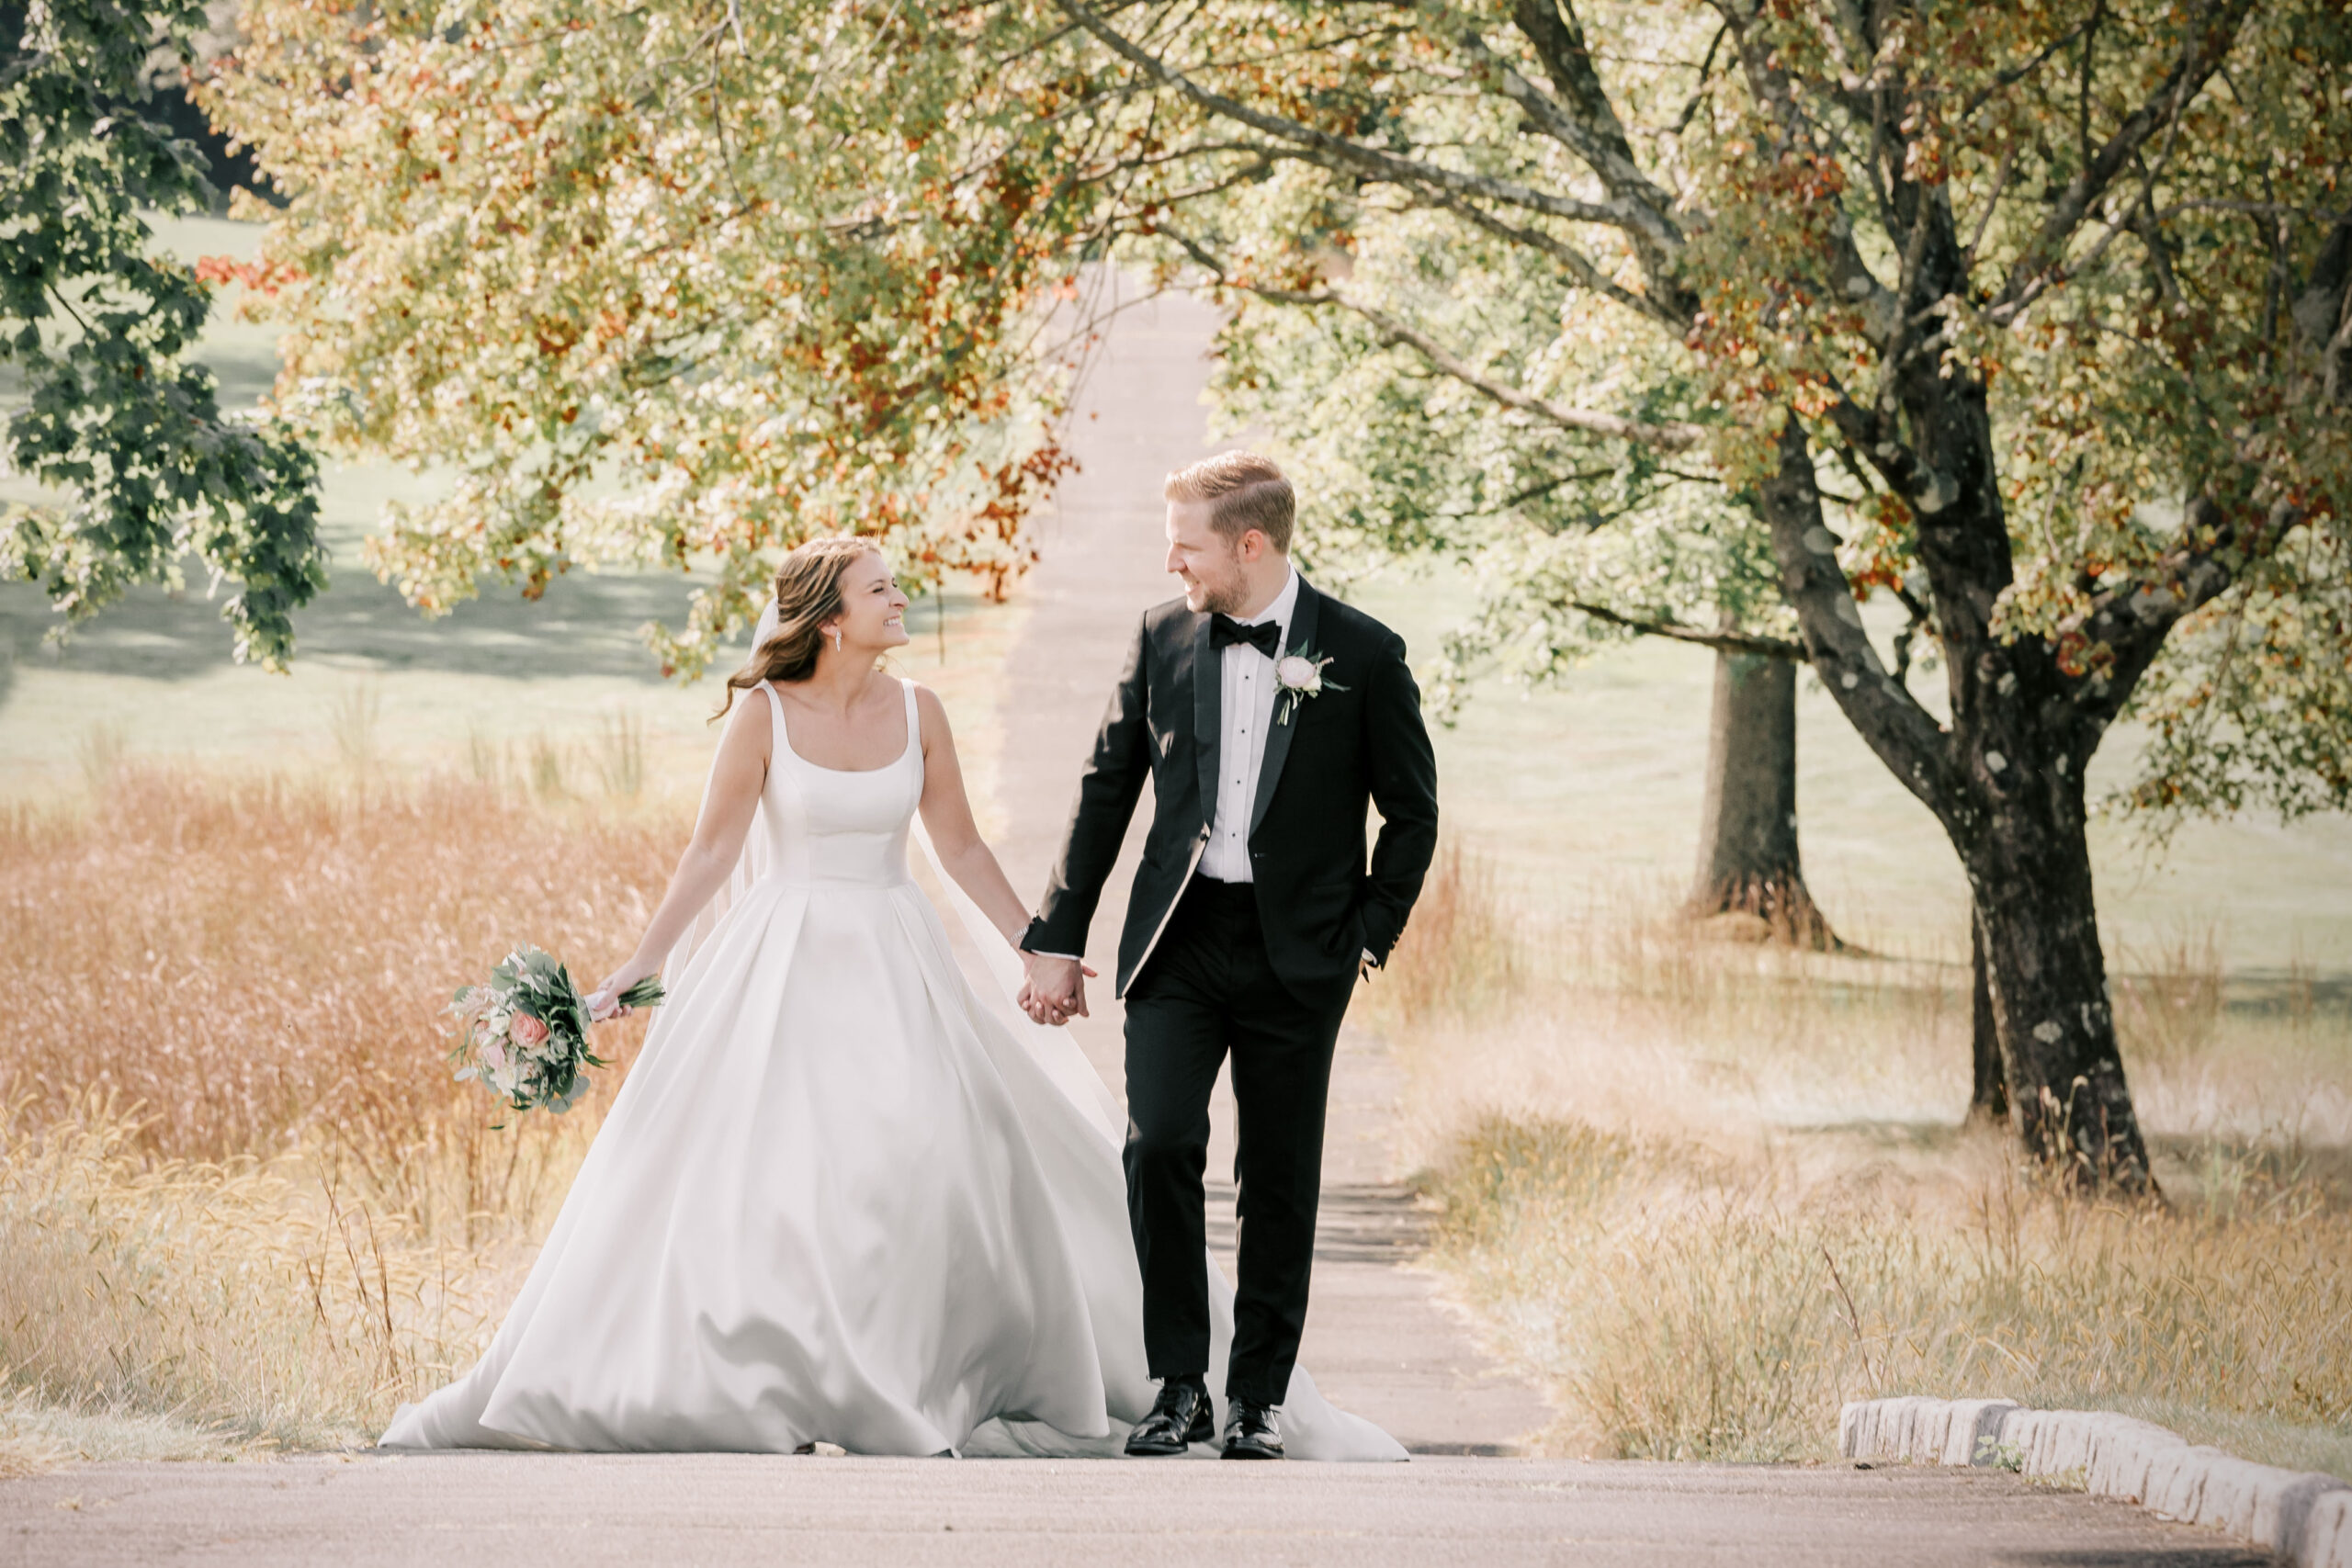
{"x": 838, "y": 1199}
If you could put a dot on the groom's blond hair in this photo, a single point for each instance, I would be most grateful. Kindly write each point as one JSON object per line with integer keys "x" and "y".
{"x": 1244, "y": 491}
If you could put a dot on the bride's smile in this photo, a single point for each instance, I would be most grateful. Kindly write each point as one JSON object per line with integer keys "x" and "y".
{"x": 842, "y": 711}
{"x": 873, "y": 608}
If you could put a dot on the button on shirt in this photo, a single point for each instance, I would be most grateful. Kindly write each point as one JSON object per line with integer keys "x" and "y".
{"x": 1247, "y": 692}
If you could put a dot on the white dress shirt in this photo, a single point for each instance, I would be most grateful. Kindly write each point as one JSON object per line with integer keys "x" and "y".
{"x": 1248, "y": 709}
{"x": 1245, "y": 710}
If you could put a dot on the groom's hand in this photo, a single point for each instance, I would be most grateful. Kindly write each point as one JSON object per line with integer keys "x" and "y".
{"x": 1055, "y": 991}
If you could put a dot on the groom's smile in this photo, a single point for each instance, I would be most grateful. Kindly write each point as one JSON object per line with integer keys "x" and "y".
{"x": 1228, "y": 575}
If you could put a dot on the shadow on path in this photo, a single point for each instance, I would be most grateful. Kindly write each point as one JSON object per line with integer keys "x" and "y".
{"x": 1356, "y": 1222}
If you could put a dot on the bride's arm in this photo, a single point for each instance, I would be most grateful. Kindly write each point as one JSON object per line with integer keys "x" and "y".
{"x": 947, "y": 813}
{"x": 737, "y": 775}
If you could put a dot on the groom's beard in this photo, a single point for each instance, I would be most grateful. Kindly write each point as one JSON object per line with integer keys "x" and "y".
{"x": 1222, "y": 598}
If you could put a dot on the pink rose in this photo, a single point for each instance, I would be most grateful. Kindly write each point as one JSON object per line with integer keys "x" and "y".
{"x": 527, "y": 1033}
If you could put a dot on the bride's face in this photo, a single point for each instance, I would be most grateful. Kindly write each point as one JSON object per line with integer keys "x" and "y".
{"x": 874, "y": 612}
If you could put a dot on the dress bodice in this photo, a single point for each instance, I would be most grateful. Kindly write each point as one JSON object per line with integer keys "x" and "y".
{"x": 835, "y": 827}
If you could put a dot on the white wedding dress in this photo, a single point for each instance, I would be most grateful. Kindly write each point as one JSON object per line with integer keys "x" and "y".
{"x": 838, "y": 1198}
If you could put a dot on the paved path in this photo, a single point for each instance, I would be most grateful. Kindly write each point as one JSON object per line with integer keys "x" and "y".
{"x": 515, "y": 1511}
{"x": 1375, "y": 1339}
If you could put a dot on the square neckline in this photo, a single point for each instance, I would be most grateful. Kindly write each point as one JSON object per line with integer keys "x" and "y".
{"x": 784, "y": 730}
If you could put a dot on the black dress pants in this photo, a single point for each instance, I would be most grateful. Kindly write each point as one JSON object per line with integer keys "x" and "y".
{"x": 1209, "y": 989}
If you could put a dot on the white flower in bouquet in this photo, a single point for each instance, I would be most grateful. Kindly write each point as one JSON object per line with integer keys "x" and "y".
{"x": 525, "y": 1034}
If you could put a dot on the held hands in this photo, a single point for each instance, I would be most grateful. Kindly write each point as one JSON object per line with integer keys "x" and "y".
{"x": 1055, "y": 988}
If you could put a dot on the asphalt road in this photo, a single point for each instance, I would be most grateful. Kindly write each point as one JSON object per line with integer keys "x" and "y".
{"x": 578, "y": 1511}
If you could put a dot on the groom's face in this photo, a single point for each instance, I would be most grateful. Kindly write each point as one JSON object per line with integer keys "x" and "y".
{"x": 1210, "y": 564}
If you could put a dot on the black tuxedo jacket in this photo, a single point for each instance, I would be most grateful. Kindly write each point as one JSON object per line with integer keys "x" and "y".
{"x": 1341, "y": 751}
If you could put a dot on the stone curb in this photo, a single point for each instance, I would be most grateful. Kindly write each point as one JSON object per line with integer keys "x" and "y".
{"x": 2305, "y": 1519}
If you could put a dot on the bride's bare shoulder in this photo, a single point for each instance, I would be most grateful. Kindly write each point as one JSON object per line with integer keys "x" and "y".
{"x": 751, "y": 724}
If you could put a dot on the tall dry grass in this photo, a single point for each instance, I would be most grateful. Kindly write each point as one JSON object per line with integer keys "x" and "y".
{"x": 1707, "y": 1191}
{"x": 238, "y": 1185}
{"x": 1692, "y": 1305}
{"x": 248, "y": 1301}
{"x": 1635, "y": 1017}
{"x": 618, "y": 754}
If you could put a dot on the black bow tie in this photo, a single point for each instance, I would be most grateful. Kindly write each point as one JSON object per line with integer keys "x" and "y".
{"x": 1266, "y": 637}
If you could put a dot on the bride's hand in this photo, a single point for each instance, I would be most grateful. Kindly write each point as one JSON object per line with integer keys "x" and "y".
{"x": 600, "y": 1002}
{"x": 1054, "y": 988}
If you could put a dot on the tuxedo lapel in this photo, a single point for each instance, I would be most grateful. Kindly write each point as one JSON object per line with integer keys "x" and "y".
{"x": 1208, "y": 714}
{"x": 1278, "y": 737}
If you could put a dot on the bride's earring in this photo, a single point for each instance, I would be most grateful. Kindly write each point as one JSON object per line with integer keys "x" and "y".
{"x": 837, "y": 639}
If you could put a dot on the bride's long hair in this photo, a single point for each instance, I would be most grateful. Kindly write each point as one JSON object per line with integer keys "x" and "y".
{"x": 807, "y": 594}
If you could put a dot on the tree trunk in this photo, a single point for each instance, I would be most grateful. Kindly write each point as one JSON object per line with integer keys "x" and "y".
{"x": 2028, "y": 861}
{"x": 1988, "y": 1097}
{"x": 1748, "y": 832}
{"x": 2003, "y": 778}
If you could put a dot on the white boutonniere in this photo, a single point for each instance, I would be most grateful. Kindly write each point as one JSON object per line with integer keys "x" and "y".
{"x": 1300, "y": 676}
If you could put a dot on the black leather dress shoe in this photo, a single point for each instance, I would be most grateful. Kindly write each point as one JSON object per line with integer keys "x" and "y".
{"x": 1251, "y": 1430}
{"x": 1179, "y": 1417}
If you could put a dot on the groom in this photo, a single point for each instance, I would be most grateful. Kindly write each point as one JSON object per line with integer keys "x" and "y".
{"x": 1266, "y": 719}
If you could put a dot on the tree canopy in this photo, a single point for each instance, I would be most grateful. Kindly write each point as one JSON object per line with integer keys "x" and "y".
{"x": 666, "y": 286}
{"x": 1515, "y": 224}
{"x": 2035, "y": 318}
{"x": 2048, "y": 308}
{"x": 114, "y": 419}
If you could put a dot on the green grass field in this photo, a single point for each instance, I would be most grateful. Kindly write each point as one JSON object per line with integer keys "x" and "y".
{"x": 152, "y": 676}
{"x": 1591, "y": 793}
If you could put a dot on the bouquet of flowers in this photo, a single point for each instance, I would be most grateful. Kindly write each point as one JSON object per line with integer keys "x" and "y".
{"x": 525, "y": 1034}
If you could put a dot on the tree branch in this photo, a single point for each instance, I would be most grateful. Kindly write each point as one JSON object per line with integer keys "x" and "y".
{"x": 2131, "y": 621}
{"x": 1699, "y": 93}
{"x": 1722, "y": 642}
{"x": 1539, "y": 490}
{"x": 1905, "y": 736}
{"x": 2045, "y": 254}
{"x": 1670, "y": 436}
{"x": 1865, "y": 432}
{"x": 1992, "y": 201}
{"x": 2010, "y": 78}
{"x": 1367, "y": 160}
{"x": 1600, "y": 143}
{"x": 1851, "y": 277}
{"x": 1588, "y": 123}
{"x": 1578, "y": 264}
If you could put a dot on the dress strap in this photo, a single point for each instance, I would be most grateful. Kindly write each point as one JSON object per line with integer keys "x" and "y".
{"x": 779, "y": 743}
{"x": 914, "y": 719}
